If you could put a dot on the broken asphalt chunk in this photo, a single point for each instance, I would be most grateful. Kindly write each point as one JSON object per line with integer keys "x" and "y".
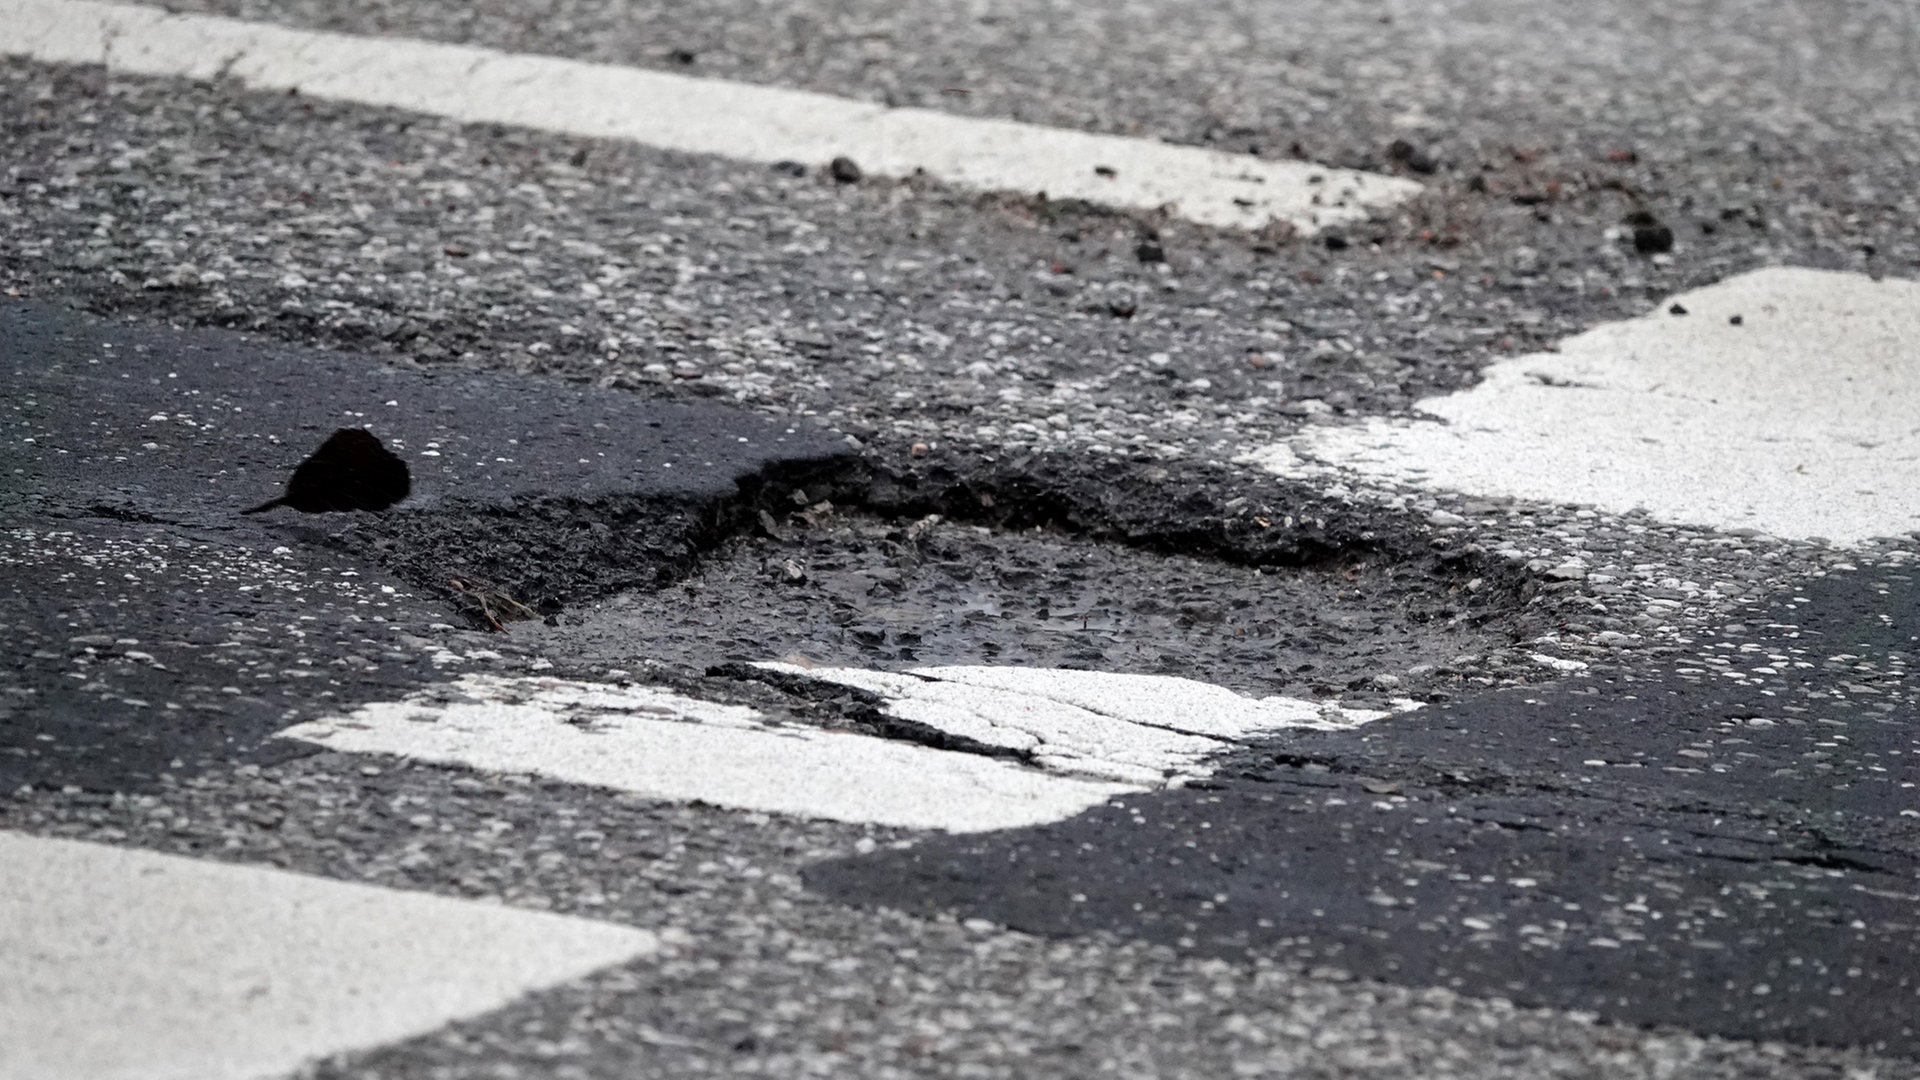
{"x": 352, "y": 470}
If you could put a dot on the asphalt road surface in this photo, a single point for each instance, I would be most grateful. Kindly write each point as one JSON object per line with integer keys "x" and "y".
{"x": 961, "y": 539}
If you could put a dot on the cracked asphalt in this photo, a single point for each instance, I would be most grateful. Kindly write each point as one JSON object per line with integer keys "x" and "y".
{"x": 1655, "y": 817}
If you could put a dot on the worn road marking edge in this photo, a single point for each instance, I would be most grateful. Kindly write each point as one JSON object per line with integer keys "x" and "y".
{"x": 1781, "y": 400}
{"x": 652, "y": 742}
{"x": 1090, "y": 736}
{"x": 123, "y": 963}
{"x": 696, "y": 115}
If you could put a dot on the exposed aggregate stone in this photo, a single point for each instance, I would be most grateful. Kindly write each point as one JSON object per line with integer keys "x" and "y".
{"x": 983, "y": 327}
{"x": 761, "y": 978}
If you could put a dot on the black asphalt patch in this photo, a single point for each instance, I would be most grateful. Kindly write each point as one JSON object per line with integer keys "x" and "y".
{"x": 152, "y": 628}
{"x": 1726, "y": 843}
{"x": 557, "y": 490}
{"x": 916, "y": 316}
{"x": 191, "y": 425}
{"x": 137, "y": 650}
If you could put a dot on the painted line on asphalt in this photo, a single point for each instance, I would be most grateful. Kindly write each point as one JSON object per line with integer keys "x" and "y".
{"x": 122, "y": 963}
{"x": 1782, "y": 400}
{"x": 695, "y": 115}
{"x": 1090, "y": 735}
{"x": 655, "y": 743}
{"x": 1149, "y": 730}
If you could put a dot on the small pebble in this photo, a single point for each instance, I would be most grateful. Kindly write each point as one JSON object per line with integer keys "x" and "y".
{"x": 1652, "y": 239}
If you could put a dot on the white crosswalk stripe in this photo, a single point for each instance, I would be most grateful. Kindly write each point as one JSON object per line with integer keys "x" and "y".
{"x": 662, "y": 745}
{"x": 1779, "y": 401}
{"x": 1092, "y": 735}
{"x": 1149, "y": 730}
{"x": 128, "y": 964}
{"x": 1782, "y": 400}
{"x": 702, "y": 116}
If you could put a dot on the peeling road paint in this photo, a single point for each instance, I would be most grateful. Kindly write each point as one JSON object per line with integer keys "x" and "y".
{"x": 1092, "y": 735}
{"x": 662, "y": 745}
{"x": 1139, "y": 729}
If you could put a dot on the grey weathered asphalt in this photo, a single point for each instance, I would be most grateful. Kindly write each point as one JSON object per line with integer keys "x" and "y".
{"x": 1455, "y": 892}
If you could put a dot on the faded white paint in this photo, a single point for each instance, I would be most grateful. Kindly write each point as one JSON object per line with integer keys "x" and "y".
{"x": 1803, "y": 420}
{"x": 119, "y": 964}
{"x": 659, "y": 744}
{"x": 694, "y": 115}
{"x": 1089, "y": 736}
{"x": 1149, "y": 730}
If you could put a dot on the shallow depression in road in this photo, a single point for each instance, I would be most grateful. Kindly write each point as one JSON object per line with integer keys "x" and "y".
{"x": 939, "y": 675}
{"x": 833, "y": 589}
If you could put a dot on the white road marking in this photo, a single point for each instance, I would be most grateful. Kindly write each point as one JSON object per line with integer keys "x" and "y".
{"x": 1802, "y": 420}
{"x": 1150, "y": 730}
{"x": 128, "y": 964}
{"x": 693, "y": 115}
{"x": 655, "y": 743}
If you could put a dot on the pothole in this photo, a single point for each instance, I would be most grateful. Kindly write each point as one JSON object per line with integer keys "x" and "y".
{"x": 848, "y": 590}
{"x": 955, "y": 676}
{"x": 941, "y": 675}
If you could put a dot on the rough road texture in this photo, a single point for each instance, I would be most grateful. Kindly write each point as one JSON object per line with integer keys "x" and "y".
{"x": 1725, "y": 840}
{"x": 1052, "y": 357}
